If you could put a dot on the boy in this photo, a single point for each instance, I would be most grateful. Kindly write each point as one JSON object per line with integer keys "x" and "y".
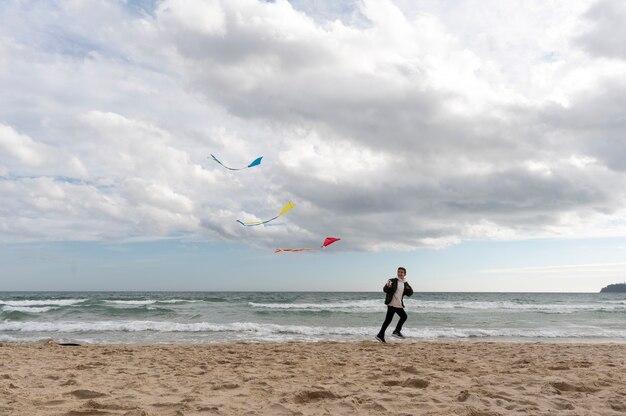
{"x": 395, "y": 290}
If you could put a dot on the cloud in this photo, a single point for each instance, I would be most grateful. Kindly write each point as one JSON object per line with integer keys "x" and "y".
{"x": 606, "y": 32}
{"x": 390, "y": 124}
{"x": 202, "y": 17}
{"x": 21, "y": 155}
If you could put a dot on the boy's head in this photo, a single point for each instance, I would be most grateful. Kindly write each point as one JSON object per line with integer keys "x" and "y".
{"x": 401, "y": 272}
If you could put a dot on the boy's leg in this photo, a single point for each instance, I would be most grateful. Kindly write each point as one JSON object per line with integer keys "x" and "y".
{"x": 402, "y": 314}
{"x": 388, "y": 318}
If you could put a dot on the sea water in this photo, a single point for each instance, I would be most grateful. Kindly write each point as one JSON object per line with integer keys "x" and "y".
{"x": 218, "y": 317}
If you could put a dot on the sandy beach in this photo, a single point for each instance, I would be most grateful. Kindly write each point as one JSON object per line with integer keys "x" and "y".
{"x": 403, "y": 378}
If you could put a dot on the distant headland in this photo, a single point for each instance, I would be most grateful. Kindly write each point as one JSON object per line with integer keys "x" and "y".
{"x": 614, "y": 288}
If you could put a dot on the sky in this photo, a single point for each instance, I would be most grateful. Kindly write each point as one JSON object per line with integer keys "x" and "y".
{"x": 479, "y": 144}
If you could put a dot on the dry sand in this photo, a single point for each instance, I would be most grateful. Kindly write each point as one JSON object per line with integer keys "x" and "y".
{"x": 404, "y": 378}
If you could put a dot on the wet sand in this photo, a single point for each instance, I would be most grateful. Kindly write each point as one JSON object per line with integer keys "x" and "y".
{"x": 403, "y": 378}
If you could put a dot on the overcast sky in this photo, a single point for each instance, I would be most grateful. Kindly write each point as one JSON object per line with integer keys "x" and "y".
{"x": 480, "y": 143}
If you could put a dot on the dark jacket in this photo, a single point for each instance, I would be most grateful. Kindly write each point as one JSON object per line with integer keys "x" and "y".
{"x": 408, "y": 290}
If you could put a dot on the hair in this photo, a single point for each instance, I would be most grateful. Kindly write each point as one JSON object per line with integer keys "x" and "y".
{"x": 402, "y": 268}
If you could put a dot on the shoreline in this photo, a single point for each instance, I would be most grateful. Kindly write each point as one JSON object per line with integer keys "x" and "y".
{"x": 305, "y": 378}
{"x": 390, "y": 341}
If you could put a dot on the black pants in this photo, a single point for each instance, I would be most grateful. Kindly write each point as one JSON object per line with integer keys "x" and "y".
{"x": 390, "y": 311}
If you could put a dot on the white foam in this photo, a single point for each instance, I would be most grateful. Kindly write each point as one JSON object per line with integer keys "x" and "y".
{"x": 510, "y": 306}
{"x": 358, "y": 306}
{"x": 138, "y": 326}
{"x": 286, "y": 331}
{"x": 148, "y": 301}
{"x": 42, "y": 302}
{"x": 131, "y": 302}
{"x": 550, "y": 333}
{"x": 434, "y": 306}
{"x": 8, "y": 338}
{"x": 29, "y": 309}
{"x": 178, "y": 301}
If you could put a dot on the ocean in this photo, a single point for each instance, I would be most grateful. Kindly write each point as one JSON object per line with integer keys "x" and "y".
{"x": 219, "y": 317}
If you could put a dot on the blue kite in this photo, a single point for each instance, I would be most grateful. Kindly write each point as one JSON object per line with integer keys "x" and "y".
{"x": 254, "y": 163}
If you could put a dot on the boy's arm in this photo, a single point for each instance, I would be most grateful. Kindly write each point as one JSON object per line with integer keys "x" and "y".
{"x": 387, "y": 288}
{"x": 408, "y": 290}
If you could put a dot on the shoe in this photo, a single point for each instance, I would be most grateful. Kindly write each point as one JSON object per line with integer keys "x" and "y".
{"x": 380, "y": 339}
{"x": 398, "y": 335}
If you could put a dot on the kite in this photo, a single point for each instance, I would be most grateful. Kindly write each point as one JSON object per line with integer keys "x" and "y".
{"x": 328, "y": 241}
{"x": 254, "y": 163}
{"x": 288, "y": 206}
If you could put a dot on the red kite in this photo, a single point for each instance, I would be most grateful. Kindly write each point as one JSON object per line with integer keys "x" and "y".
{"x": 328, "y": 241}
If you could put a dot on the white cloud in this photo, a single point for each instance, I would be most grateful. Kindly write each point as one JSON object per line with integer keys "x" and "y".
{"x": 331, "y": 161}
{"x": 204, "y": 17}
{"x": 391, "y": 124}
{"x": 605, "y": 32}
{"x": 21, "y": 148}
{"x": 21, "y": 155}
